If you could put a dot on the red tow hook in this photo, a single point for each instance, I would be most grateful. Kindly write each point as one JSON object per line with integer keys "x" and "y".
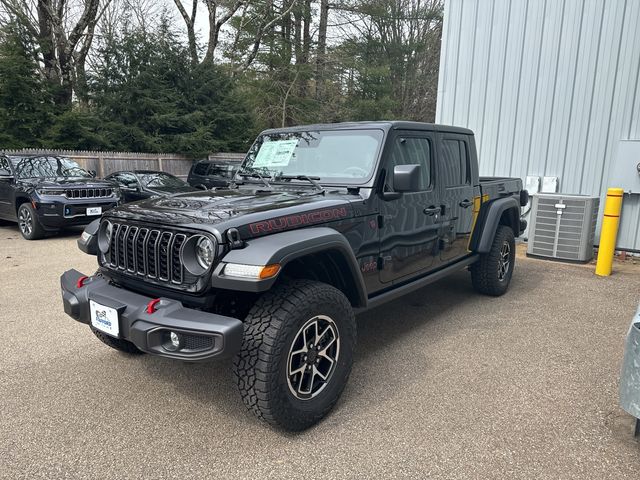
{"x": 151, "y": 306}
{"x": 81, "y": 280}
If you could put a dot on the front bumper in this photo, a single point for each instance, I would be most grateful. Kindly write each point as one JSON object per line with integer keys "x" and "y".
{"x": 59, "y": 213}
{"x": 630, "y": 374}
{"x": 206, "y": 335}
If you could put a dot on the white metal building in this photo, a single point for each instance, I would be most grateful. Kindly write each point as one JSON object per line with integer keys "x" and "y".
{"x": 550, "y": 88}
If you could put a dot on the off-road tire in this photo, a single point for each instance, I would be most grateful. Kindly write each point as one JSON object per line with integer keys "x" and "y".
{"x": 117, "y": 343}
{"x": 485, "y": 272}
{"x": 270, "y": 330}
{"x": 35, "y": 230}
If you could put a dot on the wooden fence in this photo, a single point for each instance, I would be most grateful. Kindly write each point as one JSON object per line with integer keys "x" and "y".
{"x": 105, "y": 163}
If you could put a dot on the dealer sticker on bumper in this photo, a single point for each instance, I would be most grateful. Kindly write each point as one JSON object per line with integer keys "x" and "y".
{"x": 94, "y": 211}
{"x": 104, "y": 318}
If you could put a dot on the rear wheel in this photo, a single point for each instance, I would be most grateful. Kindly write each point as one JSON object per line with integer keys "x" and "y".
{"x": 492, "y": 273}
{"x": 297, "y": 353}
{"x": 28, "y": 223}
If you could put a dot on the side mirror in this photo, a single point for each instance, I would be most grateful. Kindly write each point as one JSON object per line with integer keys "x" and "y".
{"x": 406, "y": 178}
{"x": 88, "y": 241}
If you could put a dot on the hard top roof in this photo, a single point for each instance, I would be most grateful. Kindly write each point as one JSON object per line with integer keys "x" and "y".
{"x": 382, "y": 124}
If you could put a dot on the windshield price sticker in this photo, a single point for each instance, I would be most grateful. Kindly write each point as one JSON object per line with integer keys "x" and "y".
{"x": 276, "y": 153}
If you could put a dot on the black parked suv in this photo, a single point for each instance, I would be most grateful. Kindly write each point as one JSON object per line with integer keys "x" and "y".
{"x": 206, "y": 174}
{"x": 137, "y": 185}
{"x": 46, "y": 193}
{"x": 325, "y": 221}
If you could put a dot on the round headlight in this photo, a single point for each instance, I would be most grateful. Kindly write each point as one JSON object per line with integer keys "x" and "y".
{"x": 198, "y": 254}
{"x": 205, "y": 252}
{"x": 108, "y": 231}
{"x": 104, "y": 236}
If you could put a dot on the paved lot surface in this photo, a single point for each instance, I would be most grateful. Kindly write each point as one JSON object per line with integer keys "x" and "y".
{"x": 446, "y": 384}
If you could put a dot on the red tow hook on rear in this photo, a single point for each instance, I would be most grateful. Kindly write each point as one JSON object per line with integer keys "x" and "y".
{"x": 151, "y": 306}
{"x": 81, "y": 280}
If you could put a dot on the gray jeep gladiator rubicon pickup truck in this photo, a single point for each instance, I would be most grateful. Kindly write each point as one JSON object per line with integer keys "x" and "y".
{"x": 321, "y": 222}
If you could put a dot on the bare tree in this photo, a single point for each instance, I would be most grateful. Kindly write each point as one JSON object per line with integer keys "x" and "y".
{"x": 190, "y": 22}
{"x": 64, "y": 31}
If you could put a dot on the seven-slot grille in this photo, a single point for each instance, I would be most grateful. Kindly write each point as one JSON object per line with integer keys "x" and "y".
{"x": 147, "y": 252}
{"x": 88, "y": 192}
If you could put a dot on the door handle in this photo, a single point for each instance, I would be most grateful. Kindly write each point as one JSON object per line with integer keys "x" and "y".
{"x": 432, "y": 210}
{"x": 465, "y": 203}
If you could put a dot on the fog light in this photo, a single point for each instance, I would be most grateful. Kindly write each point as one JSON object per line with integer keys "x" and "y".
{"x": 174, "y": 342}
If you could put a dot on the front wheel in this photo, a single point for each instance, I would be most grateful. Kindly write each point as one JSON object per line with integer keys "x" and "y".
{"x": 492, "y": 273}
{"x": 296, "y": 354}
{"x": 28, "y": 223}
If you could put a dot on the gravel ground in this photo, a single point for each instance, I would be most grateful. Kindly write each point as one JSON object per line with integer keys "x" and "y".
{"x": 446, "y": 384}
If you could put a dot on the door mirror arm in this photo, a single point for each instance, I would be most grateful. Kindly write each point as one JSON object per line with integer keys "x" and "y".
{"x": 391, "y": 195}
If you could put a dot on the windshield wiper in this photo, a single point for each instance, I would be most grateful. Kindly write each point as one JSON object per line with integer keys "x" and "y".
{"x": 311, "y": 180}
{"x": 253, "y": 173}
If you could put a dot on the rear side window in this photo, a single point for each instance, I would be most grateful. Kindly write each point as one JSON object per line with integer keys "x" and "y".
{"x": 455, "y": 163}
{"x": 221, "y": 170}
{"x": 201, "y": 168}
{"x": 412, "y": 151}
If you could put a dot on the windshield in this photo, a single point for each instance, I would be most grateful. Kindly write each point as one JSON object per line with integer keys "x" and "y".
{"x": 47, "y": 167}
{"x": 159, "y": 180}
{"x": 332, "y": 156}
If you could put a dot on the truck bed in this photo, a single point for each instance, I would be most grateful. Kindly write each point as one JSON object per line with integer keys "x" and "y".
{"x": 500, "y": 186}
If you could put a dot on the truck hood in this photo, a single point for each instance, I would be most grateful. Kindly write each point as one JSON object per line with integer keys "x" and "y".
{"x": 233, "y": 208}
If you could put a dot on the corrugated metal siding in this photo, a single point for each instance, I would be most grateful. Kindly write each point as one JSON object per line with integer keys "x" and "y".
{"x": 548, "y": 86}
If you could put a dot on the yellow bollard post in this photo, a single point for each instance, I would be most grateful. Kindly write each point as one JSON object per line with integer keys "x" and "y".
{"x": 609, "y": 231}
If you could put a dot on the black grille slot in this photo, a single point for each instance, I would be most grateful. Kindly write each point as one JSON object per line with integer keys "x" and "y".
{"x": 131, "y": 261}
{"x": 176, "y": 264}
{"x": 122, "y": 246}
{"x": 164, "y": 252}
{"x": 149, "y": 253}
{"x": 152, "y": 269}
{"x": 141, "y": 239}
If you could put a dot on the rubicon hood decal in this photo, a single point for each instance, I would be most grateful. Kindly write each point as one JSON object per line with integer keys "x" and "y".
{"x": 297, "y": 220}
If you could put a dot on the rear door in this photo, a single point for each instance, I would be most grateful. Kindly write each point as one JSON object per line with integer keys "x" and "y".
{"x": 455, "y": 166}
{"x": 409, "y": 226}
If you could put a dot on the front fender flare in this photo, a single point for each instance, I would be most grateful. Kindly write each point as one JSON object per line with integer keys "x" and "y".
{"x": 282, "y": 248}
{"x": 489, "y": 219}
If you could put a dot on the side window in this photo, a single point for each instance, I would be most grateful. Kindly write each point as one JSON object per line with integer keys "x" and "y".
{"x": 201, "y": 168}
{"x": 411, "y": 151}
{"x": 125, "y": 179}
{"x": 128, "y": 179}
{"x": 4, "y": 167}
{"x": 455, "y": 163}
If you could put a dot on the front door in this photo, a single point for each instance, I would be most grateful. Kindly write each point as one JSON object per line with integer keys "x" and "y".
{"x": 6, "y": 190}
{"x": 409, "y": 225}
{"x": 457, "y": 195}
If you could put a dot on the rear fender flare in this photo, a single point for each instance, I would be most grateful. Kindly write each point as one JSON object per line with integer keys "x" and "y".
{"x": 489, "y": 219}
